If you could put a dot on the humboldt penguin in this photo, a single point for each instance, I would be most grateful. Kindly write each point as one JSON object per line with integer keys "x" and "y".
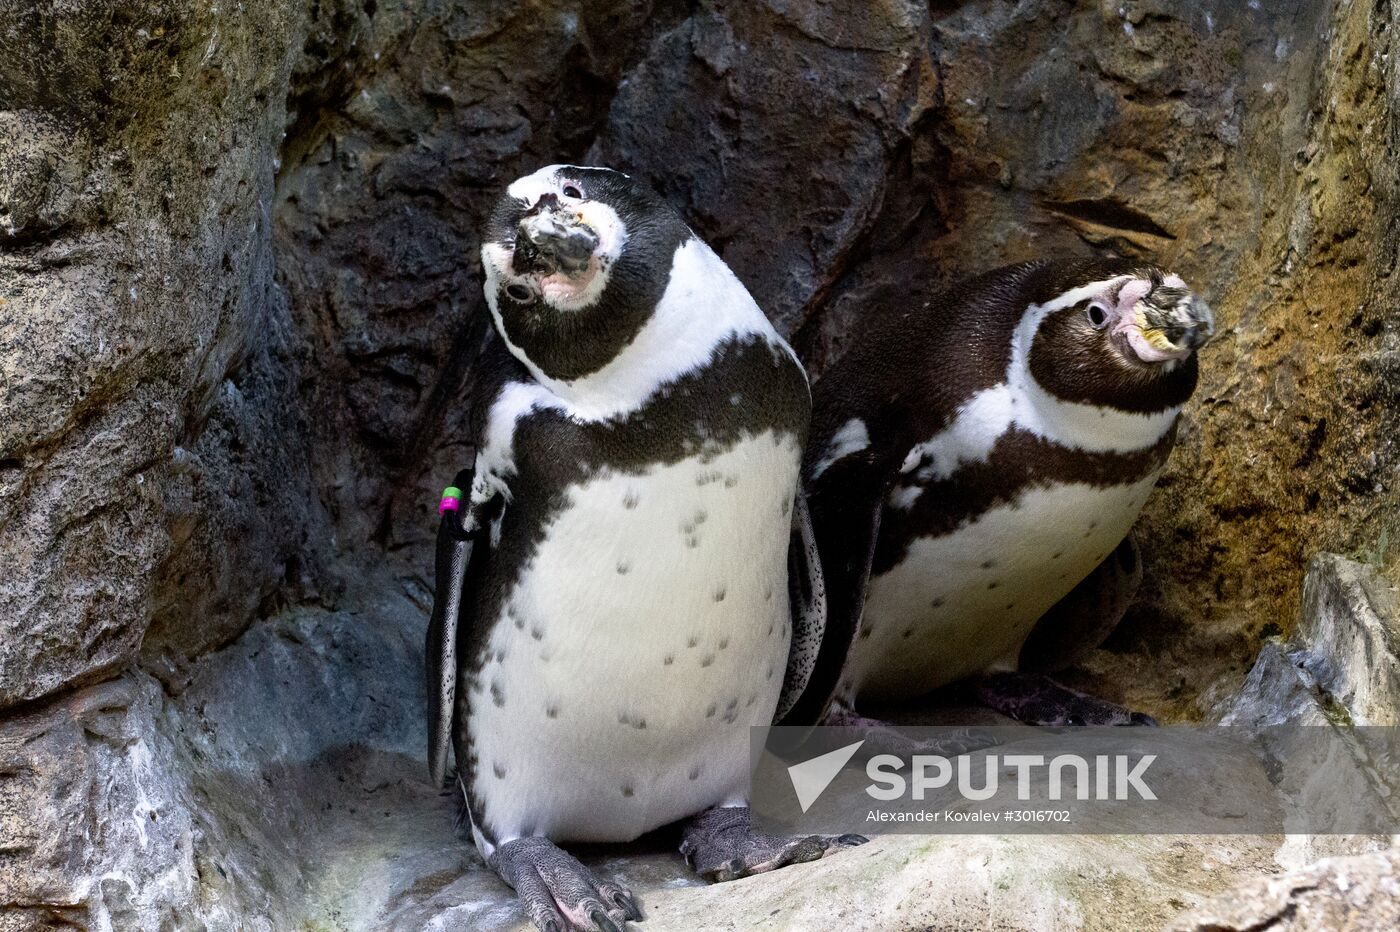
{"x": 615, "y": 607}
{"x": 976, "y": 466}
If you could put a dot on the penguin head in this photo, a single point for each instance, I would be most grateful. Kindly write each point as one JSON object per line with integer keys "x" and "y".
{"x": 575, "y": 259}
{"x": 1119, "y": 334}
{"x": 1150, "y": 318}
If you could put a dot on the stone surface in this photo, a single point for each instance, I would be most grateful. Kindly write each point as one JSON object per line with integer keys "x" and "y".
{"x": 1351, "y": 626}
{"x": 1337, "y": 671}
{"x": 1277, "y": 691}
{"x": 284, "y": 788}
{"x": 96, "y": 830}
{"x": 1359, "y": 893}
{"x": 137, "y": 312}
{"x": 1342, "y": 663}
{"x": 758, "y": 80}
{"x": 239, "y": 309}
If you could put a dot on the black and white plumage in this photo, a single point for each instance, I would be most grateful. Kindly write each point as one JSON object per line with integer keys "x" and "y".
{"x": 625, "y": 614}
{"x": 974, "y": 464}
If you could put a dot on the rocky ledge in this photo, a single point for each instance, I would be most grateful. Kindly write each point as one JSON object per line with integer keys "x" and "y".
{"x": 284, "y": 787}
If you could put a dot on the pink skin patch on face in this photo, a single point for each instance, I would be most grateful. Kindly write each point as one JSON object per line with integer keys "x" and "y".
{"x": 563, "y": 289}
{"x": 1127, "y": 323}
{"x": 1132, "y": 292}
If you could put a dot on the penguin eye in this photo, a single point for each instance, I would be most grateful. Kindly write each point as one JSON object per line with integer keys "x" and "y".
{"x": 518, "y": 292}
{"x": 573, "y": 191}
{"x": 1098, "y": 318}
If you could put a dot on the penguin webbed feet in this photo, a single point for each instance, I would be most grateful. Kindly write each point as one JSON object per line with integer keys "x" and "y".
{"x": 1034, "y": 699}
{"x": 721, "y": 844}
{"x": 558, "y": 893}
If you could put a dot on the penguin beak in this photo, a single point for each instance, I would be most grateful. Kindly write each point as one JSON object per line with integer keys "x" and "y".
{"x": 1162, "y": 321}
{"x": 553, "y": 239}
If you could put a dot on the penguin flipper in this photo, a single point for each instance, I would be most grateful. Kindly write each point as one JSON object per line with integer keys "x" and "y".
{"x": 806, "y": 604}
{"x": 455, "y": 543}
{"x": 845, "y": 524}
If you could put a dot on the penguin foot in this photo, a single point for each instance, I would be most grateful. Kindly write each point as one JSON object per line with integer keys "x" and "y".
{"x": 883, "y": 738}
{"x": 558, "y": 893}
{"x": 721, "y": 844}
{"x": 1039, "y": 700}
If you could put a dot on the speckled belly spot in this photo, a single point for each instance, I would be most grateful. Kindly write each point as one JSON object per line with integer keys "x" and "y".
{"x": 660, "y": 599}
{"x": 961, "y": 602}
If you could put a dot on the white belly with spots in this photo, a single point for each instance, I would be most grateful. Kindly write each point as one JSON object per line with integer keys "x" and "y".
{"x": 647, "y": 635}
{"x": 964, "y": 602}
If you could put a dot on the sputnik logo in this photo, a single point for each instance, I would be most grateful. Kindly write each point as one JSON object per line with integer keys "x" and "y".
{"x": 811, "y": 777}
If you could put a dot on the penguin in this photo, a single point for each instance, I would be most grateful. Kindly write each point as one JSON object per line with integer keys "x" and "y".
{"x": 626, "y": 575}
{"x": 975, "y": 470}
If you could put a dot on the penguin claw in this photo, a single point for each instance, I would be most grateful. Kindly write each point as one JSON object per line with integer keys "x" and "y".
{"x": 602, "y": 922}
{"x": 721, "y": 845}
{"x": 558, "y": 893}
{"x": 628, "y": 905}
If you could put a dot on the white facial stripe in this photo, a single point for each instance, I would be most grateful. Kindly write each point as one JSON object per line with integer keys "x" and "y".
{"x": 851, "y": 438}
{"x": 532, "y": 187}
{"x": 495, "y": 261}
{"x": 1020, "y": 402}
{"x": 704, "y": 304}
{"x": 545, "y": 181}
{"x": 612, "y": 232}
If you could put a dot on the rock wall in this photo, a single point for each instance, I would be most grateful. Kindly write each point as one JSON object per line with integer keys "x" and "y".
{"x": 239, "y": 309}
{"x": 149, "y": 461}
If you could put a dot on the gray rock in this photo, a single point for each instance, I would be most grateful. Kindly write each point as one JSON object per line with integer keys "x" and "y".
{"x": 239, "y": 307}
{"x": 99, "y": 828}
{"x": 1342, "y": 663}
{"x": 136, "y": 295}
{"x": 1338, "y": 671}
{"x": 1359, "y": 894}
{"x": 1351, "y": 629}
{"x": 284, "y": 787}
{"x": 722, "y": 116}
{"x": 1278, "y": 691}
